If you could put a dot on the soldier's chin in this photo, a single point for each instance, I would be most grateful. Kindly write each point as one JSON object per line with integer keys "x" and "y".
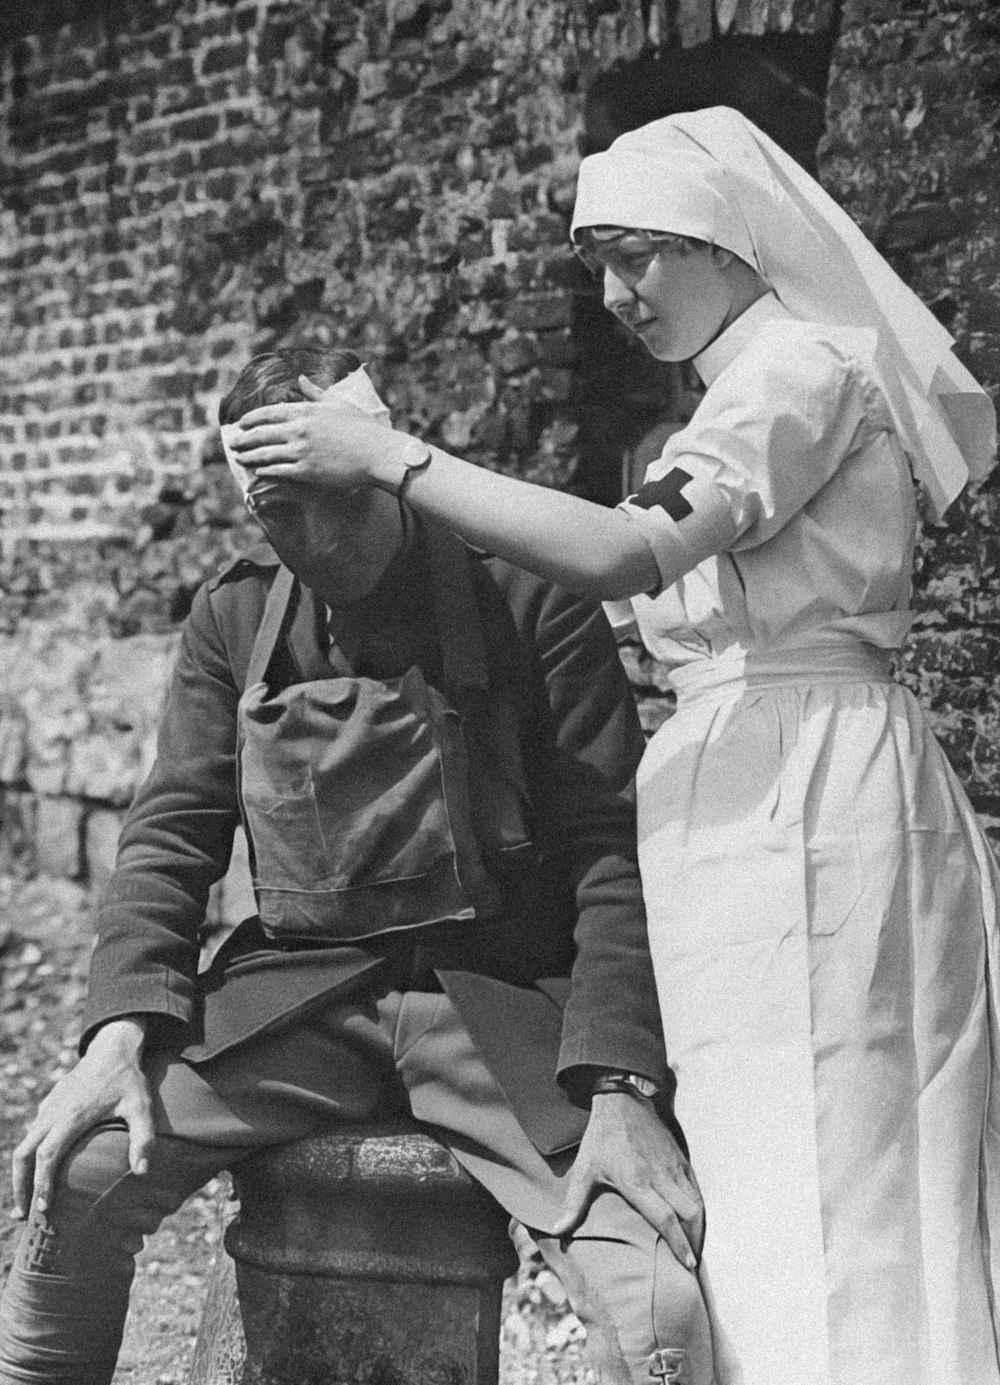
{"x": 324, "y": 568}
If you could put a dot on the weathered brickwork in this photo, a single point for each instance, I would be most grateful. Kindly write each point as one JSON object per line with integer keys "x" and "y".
{"x": 912, "y": 153}
{"x": 188, "y": 181}
{"x": 183, "y": 182}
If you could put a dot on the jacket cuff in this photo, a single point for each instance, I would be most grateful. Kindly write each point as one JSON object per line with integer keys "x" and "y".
{"x": 168, "y": 1014}
{"x": 624, "y": 1047}
{"x": 580, "y": 1063}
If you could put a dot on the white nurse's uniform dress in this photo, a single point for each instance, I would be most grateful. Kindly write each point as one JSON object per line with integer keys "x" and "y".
{"x": 822, "y": 901}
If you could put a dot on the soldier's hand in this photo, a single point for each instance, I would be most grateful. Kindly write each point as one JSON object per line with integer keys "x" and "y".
{"x": 627, "y": 1147}
{"x": 107, "y": 1083}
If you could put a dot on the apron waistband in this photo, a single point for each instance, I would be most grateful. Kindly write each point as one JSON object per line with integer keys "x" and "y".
{"x": 808, "y": 665}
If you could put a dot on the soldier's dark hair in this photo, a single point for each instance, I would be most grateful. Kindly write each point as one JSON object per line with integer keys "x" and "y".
{"x": 273, "y": 377}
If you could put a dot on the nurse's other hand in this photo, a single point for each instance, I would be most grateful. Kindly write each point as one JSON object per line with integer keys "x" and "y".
{"x": 627, "y": 1147}
{"x": 318, "y": 443}
{"x": 107, "y": 1083}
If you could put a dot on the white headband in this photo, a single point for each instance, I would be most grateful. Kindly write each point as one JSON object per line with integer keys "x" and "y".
{"x": 713, "y": 175}
{"x": 354, "y": 389}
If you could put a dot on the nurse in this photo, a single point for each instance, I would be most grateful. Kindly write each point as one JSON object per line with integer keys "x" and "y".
{"x": 823, "y": 905}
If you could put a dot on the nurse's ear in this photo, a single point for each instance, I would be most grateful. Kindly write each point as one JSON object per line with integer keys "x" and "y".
{"x": 746, "y": 283}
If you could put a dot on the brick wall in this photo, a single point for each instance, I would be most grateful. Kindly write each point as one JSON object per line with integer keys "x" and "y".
{"x": 186, "y": 182}
{"x": 912, "y": 153}
{"x": 190, "y": 181}
{"x": 183, "y": 182}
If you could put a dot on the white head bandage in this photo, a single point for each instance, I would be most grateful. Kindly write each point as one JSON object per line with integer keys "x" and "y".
{"x": 355, "y": 390}
{"x": 713, "y": 175}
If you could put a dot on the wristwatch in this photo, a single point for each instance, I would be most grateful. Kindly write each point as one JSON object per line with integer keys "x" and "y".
{"x": 629, "y": 1082}
{"x": 414, "y": 455}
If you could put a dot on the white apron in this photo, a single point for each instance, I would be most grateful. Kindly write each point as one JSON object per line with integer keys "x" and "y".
{"x": 822, "y": 902}
{"x": 822, "y": 920}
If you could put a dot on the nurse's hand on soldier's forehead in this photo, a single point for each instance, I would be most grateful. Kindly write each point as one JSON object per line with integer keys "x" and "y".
{"x": 317, "y": 441}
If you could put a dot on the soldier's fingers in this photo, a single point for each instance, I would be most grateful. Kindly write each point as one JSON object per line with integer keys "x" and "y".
{"x": 48, "y": 1156}
{"x": 690, "y": 1213}
{"x": 662, "y": 1217}
{"x": 22, "y": 1172}
{"x": 692, "y": 1178}
{"x": 579, "y": 1195}
{"x": 684, "y": 1199}
{"x": 141, "y": 1136}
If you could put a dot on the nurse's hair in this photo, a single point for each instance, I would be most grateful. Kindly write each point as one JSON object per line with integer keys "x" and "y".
{"x": 590, "y": 237}
{"x": 588, "y": 240}
{"x": 273, "y": 377}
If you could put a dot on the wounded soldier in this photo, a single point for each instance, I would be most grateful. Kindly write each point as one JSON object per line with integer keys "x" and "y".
{"x": 432, "y": 753}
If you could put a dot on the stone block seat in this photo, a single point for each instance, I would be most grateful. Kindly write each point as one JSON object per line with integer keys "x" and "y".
{"x": 365, "y": 1255}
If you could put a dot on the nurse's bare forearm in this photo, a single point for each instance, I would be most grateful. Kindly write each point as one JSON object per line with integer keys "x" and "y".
{"x": 583, "y": 546}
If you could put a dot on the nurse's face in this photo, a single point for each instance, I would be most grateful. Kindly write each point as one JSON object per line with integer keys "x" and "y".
{"x": 675, "y": 299}
{"x": 339, "y": 545}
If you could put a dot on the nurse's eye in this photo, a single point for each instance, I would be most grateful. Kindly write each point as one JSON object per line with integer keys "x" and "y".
{"x": 634, "y": 263}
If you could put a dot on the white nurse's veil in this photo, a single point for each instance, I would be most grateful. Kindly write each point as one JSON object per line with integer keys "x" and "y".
{"x": 713, "y": 175}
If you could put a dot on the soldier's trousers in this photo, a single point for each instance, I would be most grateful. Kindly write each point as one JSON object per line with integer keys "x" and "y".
{"x": 63, "y": 1311}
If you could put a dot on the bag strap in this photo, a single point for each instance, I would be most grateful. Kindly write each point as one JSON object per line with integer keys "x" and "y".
{"x": 275, "y": 611}
{"x": 459, "y": 621}
{"x": 463, "y": 652}
{"x": 463, "y": 647}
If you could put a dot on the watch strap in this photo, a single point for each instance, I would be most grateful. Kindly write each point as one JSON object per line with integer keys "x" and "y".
{"x": 415, "y": 457}
{"x": 631, "y": 1083}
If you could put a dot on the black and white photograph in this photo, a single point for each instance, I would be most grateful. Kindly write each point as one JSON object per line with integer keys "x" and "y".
{"x": 499, "y": 711}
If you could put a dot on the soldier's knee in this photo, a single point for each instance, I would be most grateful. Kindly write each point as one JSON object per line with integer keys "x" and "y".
{"x": 94, "y": 1164}
{"x": 683, "y": 1347}
{"x": 640, "y": 1297}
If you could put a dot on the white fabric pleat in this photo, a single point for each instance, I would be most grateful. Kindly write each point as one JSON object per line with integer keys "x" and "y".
{"x": 823, "y": 921}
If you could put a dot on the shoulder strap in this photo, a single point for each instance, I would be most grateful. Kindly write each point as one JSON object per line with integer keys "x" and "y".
{"x": 275, "y": 610}
{"x": 463, "y": 647}
{"x": 463, "y": 653}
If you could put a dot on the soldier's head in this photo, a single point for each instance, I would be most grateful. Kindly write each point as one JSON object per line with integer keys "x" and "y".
{"x": 273, "y": 377}
{"x": 338, "y": 544}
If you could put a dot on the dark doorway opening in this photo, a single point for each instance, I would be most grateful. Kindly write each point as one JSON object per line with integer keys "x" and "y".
{"x": 626, "y": 403}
